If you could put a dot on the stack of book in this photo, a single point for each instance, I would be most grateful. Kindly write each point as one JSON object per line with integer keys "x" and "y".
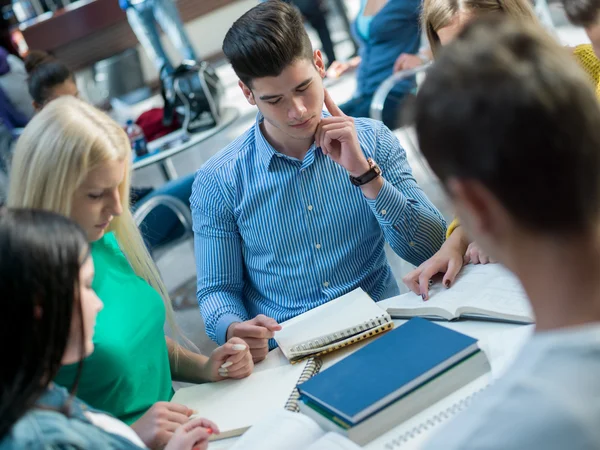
{"x": 391, "y": 379}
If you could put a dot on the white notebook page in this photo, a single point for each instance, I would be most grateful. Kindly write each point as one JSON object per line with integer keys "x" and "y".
{"x": 235, "y": 405}
{"x": 344, "y": 312}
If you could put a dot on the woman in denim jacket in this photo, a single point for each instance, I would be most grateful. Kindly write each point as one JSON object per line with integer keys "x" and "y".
{"x": 48, "y": 320}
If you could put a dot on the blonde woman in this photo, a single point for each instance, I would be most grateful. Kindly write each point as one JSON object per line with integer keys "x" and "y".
{"x": 74, "y": 160}
{"x": 443, "y": 20}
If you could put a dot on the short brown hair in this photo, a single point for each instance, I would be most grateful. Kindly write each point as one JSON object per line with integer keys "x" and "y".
{"x": 265, "y": 40}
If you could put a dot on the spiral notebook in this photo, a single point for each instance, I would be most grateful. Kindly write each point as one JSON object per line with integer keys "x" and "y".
{"x": 333, "y": 325}
{"x": 236, "y": 405}
{"x": 413, "y": 433}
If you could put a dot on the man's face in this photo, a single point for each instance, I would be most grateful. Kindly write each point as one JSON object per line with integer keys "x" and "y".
{"x": 593, "y": 32}
{"x": 291, "y": 103}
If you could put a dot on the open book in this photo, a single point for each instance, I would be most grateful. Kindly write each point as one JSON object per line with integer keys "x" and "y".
{"x": 236, "y": 405}
{"x": 480, "y": 292}
{"x": 291, "y": 431}
{"x": 333, "y": 325}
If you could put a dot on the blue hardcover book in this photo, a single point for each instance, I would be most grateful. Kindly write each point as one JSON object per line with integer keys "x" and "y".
{"x": 386, "y": 369}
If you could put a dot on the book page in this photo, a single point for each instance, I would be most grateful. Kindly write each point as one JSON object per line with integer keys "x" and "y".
{"x": 350, "y": 310}
{"x": 489, "y": 287}
{"x": 236, "y": 405}
{"x": 281, "y": 430}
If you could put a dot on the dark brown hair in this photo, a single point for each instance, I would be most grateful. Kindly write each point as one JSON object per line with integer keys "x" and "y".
{"x": 582, "y": 12}
{"x": 265, "y": 40}
{"x": 45, "y": 73}
{"x": 40, "y": 258}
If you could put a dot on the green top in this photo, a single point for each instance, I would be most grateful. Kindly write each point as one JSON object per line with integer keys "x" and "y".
{"x": 129, "y": 370}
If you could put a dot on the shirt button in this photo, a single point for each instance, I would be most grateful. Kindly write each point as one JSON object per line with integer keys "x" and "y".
{"x": 318, "y": 246}
{"x": 383, "y": 212}
{"x": 326, "y": 284}
{"x": 310, "y": 207}
{"x": 412, "y": 244}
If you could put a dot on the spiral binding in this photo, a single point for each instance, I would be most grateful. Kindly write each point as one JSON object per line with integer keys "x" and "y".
{"x": 432, "y": 422}
{"x": 331, "y": 338}
{"x": 313, "y": 366}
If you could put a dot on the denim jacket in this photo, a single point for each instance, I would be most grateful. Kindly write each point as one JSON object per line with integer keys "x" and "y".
{"x": 44, "y": 429}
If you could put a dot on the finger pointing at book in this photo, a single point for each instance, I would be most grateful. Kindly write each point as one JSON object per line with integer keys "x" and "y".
{"x": 447, "y": 260}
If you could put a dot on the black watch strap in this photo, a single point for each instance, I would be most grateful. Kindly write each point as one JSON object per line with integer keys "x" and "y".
{"x": 368, "y": 176}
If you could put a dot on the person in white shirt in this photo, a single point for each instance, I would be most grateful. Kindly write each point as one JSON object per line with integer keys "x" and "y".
{"x": 511, "y": 126}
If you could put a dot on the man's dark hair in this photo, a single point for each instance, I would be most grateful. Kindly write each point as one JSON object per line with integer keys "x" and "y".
{"x": 505, "y": 105}
{"x": 582, "y": 12}
{"x": 265, "y": 40}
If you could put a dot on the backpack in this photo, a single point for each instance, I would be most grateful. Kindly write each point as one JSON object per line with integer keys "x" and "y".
{"x": 193, "y": 92}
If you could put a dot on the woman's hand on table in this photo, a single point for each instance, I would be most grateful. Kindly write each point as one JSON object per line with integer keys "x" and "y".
{"x": 158, "y": 425}
{"x": 193, "y": 435}
{"x": 232, "y": 360}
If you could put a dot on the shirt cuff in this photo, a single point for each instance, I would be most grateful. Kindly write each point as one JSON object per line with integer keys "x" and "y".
{"x": 389, "y": 204}
{"x": 223, "y": 324}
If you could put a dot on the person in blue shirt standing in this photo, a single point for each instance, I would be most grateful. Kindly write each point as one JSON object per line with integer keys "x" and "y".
{"x": 143, "y": 16}
{"x": 385, "y": 29}
{"x": 297, "y": 210}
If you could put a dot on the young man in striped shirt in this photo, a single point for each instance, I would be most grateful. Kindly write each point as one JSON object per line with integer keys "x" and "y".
{"x": 296, "y": 211}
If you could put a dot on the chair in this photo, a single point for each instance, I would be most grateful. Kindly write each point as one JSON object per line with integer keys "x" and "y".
{"x": 405, "y": 133}
{"x": 178, "y": 208}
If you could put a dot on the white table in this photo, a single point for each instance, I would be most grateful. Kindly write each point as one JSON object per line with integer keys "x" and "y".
{"x": 500, "y": 341}
{"x": 163, "y": 149}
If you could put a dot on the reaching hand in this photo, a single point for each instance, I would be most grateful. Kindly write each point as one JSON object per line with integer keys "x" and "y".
{"x": 448, "y": 260}
{"x": 338, "y": 68}
{"x": 407, "y": 61}
{"x": 256, "y": 333}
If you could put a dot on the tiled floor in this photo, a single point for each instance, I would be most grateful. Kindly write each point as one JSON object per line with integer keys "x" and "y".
{"x": 178, "y": 267}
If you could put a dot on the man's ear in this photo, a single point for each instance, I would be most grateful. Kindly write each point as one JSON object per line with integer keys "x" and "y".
{"x": 318, "y": 62}
{"x": 475, "y": 204}
{"x": 247, "y": 93}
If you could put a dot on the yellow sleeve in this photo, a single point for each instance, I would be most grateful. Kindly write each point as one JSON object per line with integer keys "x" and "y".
{"x": 455, "y": 223}
{"x": 585, "y": 56}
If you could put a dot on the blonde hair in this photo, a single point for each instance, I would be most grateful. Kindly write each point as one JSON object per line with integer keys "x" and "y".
{"x": 438, "y": 14}
{"x": 53, "y": 157}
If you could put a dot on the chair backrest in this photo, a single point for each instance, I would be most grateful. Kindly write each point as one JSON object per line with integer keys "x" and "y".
{"x": 177, "y": 207}
{"x": 376, "y": 110}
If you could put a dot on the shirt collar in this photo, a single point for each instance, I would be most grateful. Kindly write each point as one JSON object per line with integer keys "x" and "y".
{"x": 266, "y": 152}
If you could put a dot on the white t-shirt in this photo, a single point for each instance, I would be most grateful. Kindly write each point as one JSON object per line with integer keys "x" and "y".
{"x": 114, "y": 426}
{"x": 549, "y": 399}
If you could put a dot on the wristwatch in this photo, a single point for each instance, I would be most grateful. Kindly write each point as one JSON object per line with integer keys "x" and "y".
{"x": 373, "y": 172}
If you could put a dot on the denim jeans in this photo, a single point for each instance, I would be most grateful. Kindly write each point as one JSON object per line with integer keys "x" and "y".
{"x": 143, "y": 17}
{"x": 161, "y": 225}
{"x": 360, "y": 107}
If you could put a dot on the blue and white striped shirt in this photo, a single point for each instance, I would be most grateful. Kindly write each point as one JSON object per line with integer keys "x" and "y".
{"x": 278, "y": 236}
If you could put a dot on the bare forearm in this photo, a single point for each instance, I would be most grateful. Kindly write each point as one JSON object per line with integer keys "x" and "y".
{"x": 458, "y": 239}
{"x": 186, "y": 365}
